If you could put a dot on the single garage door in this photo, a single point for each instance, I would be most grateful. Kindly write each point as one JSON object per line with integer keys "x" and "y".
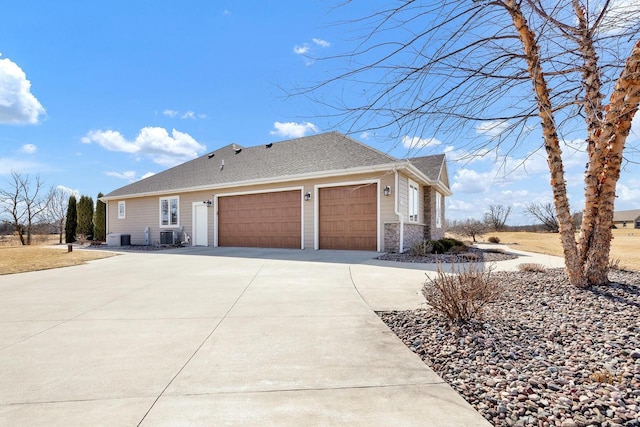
{"x": 348, "y": 217}
{"x": 265, "y": 220}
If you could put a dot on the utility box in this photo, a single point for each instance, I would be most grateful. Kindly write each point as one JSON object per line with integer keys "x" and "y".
{"x": 125, "y": 240}
{"x": 166, "y": 238}
{"x": 113, "y": 239}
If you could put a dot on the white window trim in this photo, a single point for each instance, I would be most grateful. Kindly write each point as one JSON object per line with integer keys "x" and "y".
{"x": 414, "y": 203}
{"x": 438, "y": 210}
{"x": 122, "y": 209}
{"x": 169, "y": 198}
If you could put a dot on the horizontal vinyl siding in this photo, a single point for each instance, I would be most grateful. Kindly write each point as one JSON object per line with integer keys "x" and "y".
{"x": 144, "y": 211}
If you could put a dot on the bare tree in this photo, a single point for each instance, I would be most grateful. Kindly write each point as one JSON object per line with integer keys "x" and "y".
{"x": 469, "y": 228}
{"x": 506, "y": 64}
{"x": 497, "y": 216}
{"x": 23, "y": 202}
{"x": 545, "y": 213}
{"x": 55, "y": 212}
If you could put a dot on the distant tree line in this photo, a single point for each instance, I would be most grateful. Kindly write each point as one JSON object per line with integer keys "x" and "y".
{"x": 28, "y": 208}
{"x": 495, "y": 219}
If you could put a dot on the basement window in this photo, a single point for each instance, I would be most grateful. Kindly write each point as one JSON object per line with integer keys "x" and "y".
{"x": 169, "y": 211}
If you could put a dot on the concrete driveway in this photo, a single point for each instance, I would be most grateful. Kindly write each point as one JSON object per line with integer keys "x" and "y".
{"x": 216, "y": 337}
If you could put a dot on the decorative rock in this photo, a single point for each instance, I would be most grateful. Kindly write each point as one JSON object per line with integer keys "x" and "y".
{"x": 528, "y": 363}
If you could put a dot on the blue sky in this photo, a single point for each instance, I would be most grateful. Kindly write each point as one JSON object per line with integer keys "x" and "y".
{"x": 96, "y": 95}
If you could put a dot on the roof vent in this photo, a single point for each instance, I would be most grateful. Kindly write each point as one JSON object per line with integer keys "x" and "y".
{"x": 222, "y": 165}
{"x": 269, "y": 145}
{"x": 237, "y": 150}
{"x": 210, "y": 155}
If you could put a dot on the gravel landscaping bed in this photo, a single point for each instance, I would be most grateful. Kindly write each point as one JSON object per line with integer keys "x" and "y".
{"x": 472, "y": 255}
{"x": 544, "y": 354}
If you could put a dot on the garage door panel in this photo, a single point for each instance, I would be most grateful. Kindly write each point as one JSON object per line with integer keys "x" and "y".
{"x": 348, "y": 217}
{"x": 270, "y": 220}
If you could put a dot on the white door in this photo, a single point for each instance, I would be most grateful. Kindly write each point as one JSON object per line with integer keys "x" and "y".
{"x": 200, "y": 225}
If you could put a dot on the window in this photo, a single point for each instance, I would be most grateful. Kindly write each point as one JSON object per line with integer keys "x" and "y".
{"x": 169, "y": 211}
{"x": 413, "y": 201}
{"x": 438, "y": 210}
{"x": 121, "y": 210}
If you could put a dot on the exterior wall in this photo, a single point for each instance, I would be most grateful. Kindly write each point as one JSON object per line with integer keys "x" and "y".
{"x": 431, "y": 231}
{"x": 413, "y": 233}
{"x": 144, "y": 211}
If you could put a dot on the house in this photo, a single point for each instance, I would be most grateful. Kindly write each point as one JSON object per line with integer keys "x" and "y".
{"x": 325, "y": 191}
{"x": 627, "y": 219}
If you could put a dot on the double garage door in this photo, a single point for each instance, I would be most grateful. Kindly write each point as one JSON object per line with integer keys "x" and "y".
{"x": 347, "y": 218}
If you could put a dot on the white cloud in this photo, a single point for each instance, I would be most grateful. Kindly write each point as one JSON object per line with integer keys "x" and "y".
{"x": 365, "y": 135}
{"x": 111, "y": 140}
{"x": 321, "y": 43}
{"x": 415, "y": 142}
{"x": 153, "y": 142}
{"x": 128, "y": 175}
{"x": 292, "y": 129}
{"x": 17, "y": 104}
{"x": 470, "y": 181}
{"x": 186, "y": 115}
{"x": 9, "y": 165}
{"x": 627, "y": 194}
{"x": 465, "y": 156}
{"x": 306, "y": 49}
{"x": 69, "y": 191}
{"x": 492, "y": 128}
{"x": 301, "y": 50}
{"x": 29, "y": 148}
{"x": 461, "y": 206}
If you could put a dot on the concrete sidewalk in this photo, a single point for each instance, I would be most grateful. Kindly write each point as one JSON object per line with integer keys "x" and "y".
{"x": 191, "y": 339}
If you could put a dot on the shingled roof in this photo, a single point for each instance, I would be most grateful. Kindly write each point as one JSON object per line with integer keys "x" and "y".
{"x": 326, "y": 152}
{"x": 629, "y": 216}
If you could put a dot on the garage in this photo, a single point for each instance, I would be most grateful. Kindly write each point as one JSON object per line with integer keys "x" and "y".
{"x": 264, "y": 220}
{"x": 348, "y": 217}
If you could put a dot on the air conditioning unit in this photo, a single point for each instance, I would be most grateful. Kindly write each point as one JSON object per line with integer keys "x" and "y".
{"x": 114, "y": 239}
{"x": 167, "y": 237}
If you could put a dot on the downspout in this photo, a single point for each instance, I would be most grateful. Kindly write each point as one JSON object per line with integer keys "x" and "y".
{"x": 397, "y": 212}
{"x": 106, "y": 219}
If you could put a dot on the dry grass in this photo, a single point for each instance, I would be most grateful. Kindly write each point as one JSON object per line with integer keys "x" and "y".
{"x": 624, "y": 246}
{"x": 36, "y": 239}
{"x": 21, "y": 259}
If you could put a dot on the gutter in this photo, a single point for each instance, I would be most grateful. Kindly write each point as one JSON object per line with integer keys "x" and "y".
{"x": 397, "y": 212}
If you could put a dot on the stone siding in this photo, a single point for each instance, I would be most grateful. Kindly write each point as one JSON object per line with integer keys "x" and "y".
{"x": 412, "y": 233}
{"x": 431, "y": 232}
{"x": 391, "y": 236}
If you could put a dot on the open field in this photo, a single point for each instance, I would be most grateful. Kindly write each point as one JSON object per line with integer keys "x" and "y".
{"x": 20, "y": 259}
{"x": 624, "y": 247}
{"x": 36, "y": 239}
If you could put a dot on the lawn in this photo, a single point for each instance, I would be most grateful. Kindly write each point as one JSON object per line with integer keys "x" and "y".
{"x": 20, "y": 259}
{"x": 625, "y": 245}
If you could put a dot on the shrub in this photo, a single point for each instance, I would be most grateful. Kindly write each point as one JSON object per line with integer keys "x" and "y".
{"x": 450, "y": 243}
{"x": 462, "y": 296}
{"x": 532, "y": 267}
{"x": 423, "y": 248}
{"x": 438, "y": 247}
{"x": 494, "y": 239}
{"x": 471, "y": 256}
{"x": 614, "y": 264}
